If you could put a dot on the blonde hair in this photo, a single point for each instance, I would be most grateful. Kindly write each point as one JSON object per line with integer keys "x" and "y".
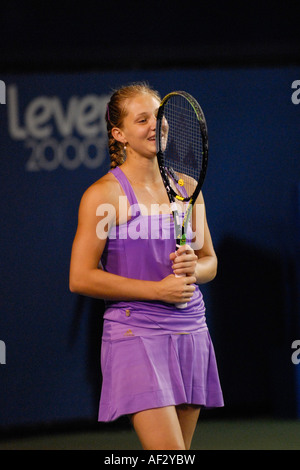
{"x": 116, "y": 112}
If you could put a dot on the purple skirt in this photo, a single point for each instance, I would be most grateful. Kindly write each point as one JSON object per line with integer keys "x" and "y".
{"x": 152, "y": 367}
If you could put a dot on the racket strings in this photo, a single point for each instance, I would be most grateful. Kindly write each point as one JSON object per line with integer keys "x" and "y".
{"x": 182, "y": 143}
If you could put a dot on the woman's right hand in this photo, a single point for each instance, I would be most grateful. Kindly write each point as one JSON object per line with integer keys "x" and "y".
{"x": 175, "y": 290}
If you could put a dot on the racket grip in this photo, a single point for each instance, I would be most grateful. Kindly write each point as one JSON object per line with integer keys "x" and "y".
{"x": 180, "y": 304}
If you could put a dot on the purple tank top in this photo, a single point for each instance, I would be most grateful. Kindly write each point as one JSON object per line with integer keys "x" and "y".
{"x": 140, "y": 249}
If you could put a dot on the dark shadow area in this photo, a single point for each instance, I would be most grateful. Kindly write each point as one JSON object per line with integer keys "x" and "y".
{"x": 93, "y": 309}
{"x": 254, "y": 323}
{"x": 105, "y": 35}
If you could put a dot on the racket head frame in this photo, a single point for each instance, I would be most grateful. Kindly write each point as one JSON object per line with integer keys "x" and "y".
{"x": 160, "y": 153}
{"x": 172, "y": 195}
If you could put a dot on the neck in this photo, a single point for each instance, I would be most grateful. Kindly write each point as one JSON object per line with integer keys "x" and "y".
{"x": 142, "y": 171}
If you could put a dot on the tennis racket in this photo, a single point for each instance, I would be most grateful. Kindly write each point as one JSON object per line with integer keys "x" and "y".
{"x": 182, "y": 153}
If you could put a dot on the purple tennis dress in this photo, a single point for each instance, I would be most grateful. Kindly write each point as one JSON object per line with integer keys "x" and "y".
{"x": 153, "y": 354}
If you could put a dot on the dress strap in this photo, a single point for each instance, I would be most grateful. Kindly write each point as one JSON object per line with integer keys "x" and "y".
{"x": 126, "y": 186}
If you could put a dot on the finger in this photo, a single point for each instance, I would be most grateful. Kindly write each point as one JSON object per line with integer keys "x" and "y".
{"x": 187, "y": 295}
{"x": 183, "y": 249}
{"x": 187, "y": 271}
{"x": 188, "y": 264}
{"x": 185, "y": 257}
{"x": 190, "y": 280}
{"x": 185, "y": 261}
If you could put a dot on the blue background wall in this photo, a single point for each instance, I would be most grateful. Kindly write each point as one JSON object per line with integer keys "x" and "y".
{"x": 52, "y": 337}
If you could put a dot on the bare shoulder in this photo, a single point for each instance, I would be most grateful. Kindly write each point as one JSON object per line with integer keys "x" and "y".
{"x": 104, "y": 190}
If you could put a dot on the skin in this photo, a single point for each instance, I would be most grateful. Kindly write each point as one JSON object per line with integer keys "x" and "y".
{"x": 161, "y": 428}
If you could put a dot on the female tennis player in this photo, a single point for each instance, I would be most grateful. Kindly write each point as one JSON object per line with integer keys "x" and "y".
{"x": 158, "y": 362}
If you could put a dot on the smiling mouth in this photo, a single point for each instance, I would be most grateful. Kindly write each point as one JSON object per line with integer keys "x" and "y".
{"x": 152, "y": 139}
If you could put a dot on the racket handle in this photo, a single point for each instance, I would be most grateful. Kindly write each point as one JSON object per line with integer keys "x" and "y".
{"x": 180, "y": 304}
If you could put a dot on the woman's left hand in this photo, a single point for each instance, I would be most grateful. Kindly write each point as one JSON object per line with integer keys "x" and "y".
{"x": 184, "y": 261}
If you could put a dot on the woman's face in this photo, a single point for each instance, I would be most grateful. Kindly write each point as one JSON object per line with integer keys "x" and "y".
{"x": 139, "y": 125}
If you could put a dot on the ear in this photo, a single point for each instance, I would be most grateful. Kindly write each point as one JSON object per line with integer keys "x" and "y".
{"x": 118, "y": 135}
